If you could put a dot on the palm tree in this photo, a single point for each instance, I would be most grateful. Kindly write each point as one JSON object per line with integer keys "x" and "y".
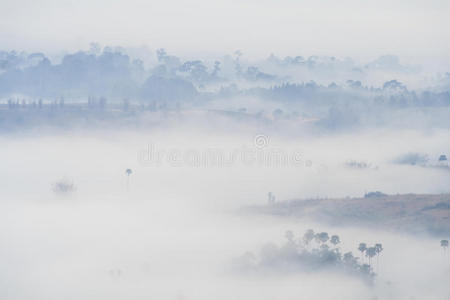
{"x": 371, "y": 252}
{"x": 444, "y": 245}
{"x": 362, "y": 248}
{"x": 378, "y": 249}
{"x": 128, "y": 172}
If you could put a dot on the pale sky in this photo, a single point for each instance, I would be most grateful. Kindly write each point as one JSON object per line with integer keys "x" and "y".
{"x": 258, "y": 27}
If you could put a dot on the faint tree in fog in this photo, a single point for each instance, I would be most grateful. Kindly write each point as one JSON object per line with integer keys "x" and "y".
{"x": 277, "y": 114}
{"x": 394, "y": 85}
{"x": 196, "y": 71}
{"x": 128, "y": 172}
{"x": 102, "y": 103}
{"x": 365, "y": 269}
{"x": 246, "y": 261}
{"x": 216, "y": 69}
{"x": 444, "y": 245}
{"x": 271, "y": 198}
{"x": 362, "y": 248}
{"x": 442, "y": 161}
{"x": 289, "y": 257}
{"x": 371, "y": 252}
{"x": 308, "y": 236}
{"x": 238, "y": 66}
{"x": 378, "y": 249}
{"x": 349, "y": 259}
{"x": 161, "y": 54}
{"x": 321, "y": 237}
{"x": 63, "y": 186}
{"x": 289, "y": 236}
{"x": 412, "y": 159}
{"x": 335, "y": 240}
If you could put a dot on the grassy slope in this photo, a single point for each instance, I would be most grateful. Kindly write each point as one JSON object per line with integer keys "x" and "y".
{"x": 409, "y": 212}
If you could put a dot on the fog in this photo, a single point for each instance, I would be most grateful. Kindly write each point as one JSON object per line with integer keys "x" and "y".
{"x": 176, "y": 230}
{"x": 197, "y": 150}
{"x": 352, "y": 28}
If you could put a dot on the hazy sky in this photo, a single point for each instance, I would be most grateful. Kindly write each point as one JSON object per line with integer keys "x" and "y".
{"x": 413, "y": 28}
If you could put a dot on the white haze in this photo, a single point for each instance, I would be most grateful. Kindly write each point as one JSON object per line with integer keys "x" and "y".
{"x": 90, "y": 89}
{"x": 175, "y": 232}
{"x": 416, "y": 30}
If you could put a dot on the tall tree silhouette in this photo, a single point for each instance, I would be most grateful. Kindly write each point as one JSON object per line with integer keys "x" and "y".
{"x": 128, "y": 172}
{"x": 378, "y": 249}
{"x": 362, "y": 248}
{"x": 371, "y": 252}
{"x": 444, "y": 245}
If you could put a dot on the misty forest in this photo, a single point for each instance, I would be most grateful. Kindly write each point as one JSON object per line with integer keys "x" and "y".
{"x": 143, "y": 172}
